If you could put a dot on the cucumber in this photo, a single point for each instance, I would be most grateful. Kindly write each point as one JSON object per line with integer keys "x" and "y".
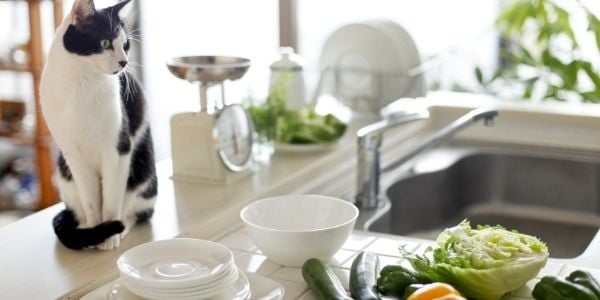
{"x": 321, "y": 280}
{"x": 363, "y": 277}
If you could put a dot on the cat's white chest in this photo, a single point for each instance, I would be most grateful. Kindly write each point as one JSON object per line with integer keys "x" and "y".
{"x": 85, "y": 118}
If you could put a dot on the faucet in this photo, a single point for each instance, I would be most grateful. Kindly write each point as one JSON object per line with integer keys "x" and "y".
{"x": 369, "y": 142}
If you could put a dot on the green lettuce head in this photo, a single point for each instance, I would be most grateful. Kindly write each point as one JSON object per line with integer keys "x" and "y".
{"x": 483, "y": 263}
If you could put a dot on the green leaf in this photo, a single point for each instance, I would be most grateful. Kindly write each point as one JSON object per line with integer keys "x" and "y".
{"x": 459, "y": 88}
{"x": 513, "y": 18}
{"x": 594, "y": 27}
{"x": 529, "y": 85}
{"x": 563, "y": 24}
{"x": 592, "y": 74}
{"x": 497, "y": 74}
{"x": 553, "y": 93}
{"x": 569, "y": 75}
{"x": 592, "y": 96}
{"x": 550, "y": 61}
{"x": 527, "y": 57}
{"x": 479, "y": 75}
{"x": 541, "y": 13}
{"x": 545, "y": 34}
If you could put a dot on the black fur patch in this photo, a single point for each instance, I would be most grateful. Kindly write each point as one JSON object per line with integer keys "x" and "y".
{"x": 142, "y": 162}
{"x": 133, "y": 100}
{"x": 144, "y": 216}
{"x": 65, "y": 227}
{"x": 151, "y": 190}
{"x": 84, "y": 38}
{"x": 124, "y": 143}
{"x": 63, "y": 168}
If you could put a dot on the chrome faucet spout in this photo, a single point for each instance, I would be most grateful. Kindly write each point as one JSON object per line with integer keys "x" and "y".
{"x": 369, "y": 141}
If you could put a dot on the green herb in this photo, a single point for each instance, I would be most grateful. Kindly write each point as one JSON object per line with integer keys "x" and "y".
{"x": 301, "y": 126}
{"x": 542, "y": 56}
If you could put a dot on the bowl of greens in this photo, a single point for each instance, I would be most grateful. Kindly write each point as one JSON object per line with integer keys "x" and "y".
{"x": 295, "y": 130}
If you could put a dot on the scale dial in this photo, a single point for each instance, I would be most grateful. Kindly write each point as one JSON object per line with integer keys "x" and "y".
{"x": 233, "y": 133}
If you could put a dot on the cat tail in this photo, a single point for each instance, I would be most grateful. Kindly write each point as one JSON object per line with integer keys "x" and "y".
{"x": 65, "y": 227}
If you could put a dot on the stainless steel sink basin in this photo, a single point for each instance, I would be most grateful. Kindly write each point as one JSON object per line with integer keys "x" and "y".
{"x": 552, "y": 194}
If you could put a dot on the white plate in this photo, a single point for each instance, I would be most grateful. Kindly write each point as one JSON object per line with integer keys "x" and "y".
{"x": 175, "y": 263}
{"x": 261, "y": 288}
{"x": 303, "y": 148}
{"x": 380, "y": 47}
{"x": 211, "y": 288}
{"x": 407, "y": 52}
{"x": 239, "y": 290}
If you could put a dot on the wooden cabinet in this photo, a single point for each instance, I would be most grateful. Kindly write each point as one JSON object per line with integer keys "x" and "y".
{"x": 42, "y": 141}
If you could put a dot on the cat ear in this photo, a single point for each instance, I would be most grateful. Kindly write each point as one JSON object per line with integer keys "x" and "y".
{"x": 116, "y": 9}
{"x": 81, "y": 10}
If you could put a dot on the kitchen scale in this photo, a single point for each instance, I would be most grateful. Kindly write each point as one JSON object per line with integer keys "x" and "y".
{"x": 213, "y": 145}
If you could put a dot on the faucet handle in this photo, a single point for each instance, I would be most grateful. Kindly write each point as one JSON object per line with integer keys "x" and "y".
{"x": 392, "y": 120}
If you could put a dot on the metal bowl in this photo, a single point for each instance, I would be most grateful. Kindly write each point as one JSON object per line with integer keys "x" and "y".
{"x": 208, "y": 68}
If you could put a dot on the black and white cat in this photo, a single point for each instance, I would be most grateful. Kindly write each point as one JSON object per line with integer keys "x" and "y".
{"x": 96, "y": 113}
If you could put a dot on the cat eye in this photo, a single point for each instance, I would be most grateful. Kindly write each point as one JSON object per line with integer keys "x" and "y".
{"x": 126, "y": 45}
{"x": 105, "y": 44}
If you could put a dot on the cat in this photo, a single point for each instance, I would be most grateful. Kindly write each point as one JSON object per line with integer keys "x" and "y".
{"x": 96, "y": 112}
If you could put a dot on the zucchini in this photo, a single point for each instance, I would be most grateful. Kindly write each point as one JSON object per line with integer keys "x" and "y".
{"x": 321, "y": 280}
{"x": 363, "y": 277}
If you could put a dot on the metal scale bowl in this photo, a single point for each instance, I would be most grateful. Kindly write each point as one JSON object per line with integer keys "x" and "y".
{"x": 208, "y": 71}
{"x": 211, "y": 147}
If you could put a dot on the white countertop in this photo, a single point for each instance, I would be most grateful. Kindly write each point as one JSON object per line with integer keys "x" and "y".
{"x": 250, "y": 259}
{"x": 36, "y": 266}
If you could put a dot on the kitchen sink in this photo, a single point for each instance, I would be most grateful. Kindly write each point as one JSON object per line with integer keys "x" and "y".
{"x": 553, "y": 194}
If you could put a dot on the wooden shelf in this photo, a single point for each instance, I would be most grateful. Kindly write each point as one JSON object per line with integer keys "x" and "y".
{"x": 17, "y": 138}
{"x": 41, "y": 139}
{"x": 15, "y": 68}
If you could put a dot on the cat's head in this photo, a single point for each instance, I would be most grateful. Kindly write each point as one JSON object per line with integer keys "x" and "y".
{"x": 97, "y": 37}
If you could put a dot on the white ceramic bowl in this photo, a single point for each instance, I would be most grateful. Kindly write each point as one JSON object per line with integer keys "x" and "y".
{"x": 175, "y": 263}
{"x": 292, "y": 229}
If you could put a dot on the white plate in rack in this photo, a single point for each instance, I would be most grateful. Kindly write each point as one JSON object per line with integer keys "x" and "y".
{"x": 261, "y": 288}
{"x": 377, "y": 47}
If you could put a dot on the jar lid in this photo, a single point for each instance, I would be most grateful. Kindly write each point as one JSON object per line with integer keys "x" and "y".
{"x": 288, "y": 60}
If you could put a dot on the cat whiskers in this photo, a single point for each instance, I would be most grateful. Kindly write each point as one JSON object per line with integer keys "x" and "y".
{"x": 128, "y": 72}
{"x": 134, "y": 39}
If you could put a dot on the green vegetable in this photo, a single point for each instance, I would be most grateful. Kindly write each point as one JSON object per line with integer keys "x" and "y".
{"x": 394, "y": 279}
{"x": 585, "y": 279}
{"x": 322, "y": 281}
{"x": 409, "y": 290}
{"x": 552, "y": 288}
{"x": 363, "y": 276}
{"x": 483, "y": 263}
{"x": 395, "y": 268}
{"x": 302, "y": 126}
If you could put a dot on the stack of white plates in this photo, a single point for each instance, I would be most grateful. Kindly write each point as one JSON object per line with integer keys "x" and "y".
{"x": 368, "y": 65}
{"x": 183, "y": 269}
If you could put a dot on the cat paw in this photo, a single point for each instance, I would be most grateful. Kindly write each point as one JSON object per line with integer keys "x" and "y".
{"x": 110, "y": 243}
{"x": 124, "y": 233}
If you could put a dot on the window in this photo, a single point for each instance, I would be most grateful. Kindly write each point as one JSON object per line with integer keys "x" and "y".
{"x": 225, "y": 27}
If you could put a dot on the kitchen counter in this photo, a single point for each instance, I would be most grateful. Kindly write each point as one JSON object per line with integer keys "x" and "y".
{"x": 36, "y": 266}
{"x": 250, "y": 259}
